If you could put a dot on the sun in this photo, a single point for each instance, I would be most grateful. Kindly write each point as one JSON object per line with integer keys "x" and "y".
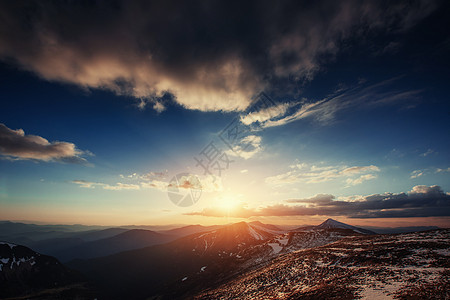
{"x": 228, "y": 204}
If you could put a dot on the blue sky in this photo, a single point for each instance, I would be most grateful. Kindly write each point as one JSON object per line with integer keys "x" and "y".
{"x": 360, "y": 113}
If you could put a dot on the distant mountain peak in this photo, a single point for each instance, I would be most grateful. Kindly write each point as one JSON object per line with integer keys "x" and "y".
{"x": 330, "y": 223}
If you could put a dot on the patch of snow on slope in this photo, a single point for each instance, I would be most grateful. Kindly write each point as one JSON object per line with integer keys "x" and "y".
{"x": 9, "y": 244}
{"x": 379, "y": 291}
{"x": 254, "y": 234}
{"x": 284, "y": 240}
{"x": 275, "y": 247}
{"x": 372, "y": 293}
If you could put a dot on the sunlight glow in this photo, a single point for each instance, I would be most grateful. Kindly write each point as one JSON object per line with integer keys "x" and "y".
{"x": 228, "y": 204}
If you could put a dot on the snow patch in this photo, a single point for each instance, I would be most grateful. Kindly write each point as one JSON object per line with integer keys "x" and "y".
{"x": 9, "y": 244}
{"x": 275, "y": 247}
{"x": 372, "y": 293}
{"x": 255, "y": 234}
{"x": 4, "y": 260}
{"x": 283, "y": 241}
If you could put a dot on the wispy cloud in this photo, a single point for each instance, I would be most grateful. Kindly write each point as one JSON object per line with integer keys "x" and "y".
{"x": 121, "y": 186}
{"x": 324, "y": 110}
{"x": 427, "y": 171}
{"x": 85, "y": 184}
{"x": 116, "y": 187}
{"x": 417, "y": 173}
{"x": 147, "y": 176}
{"x": 157, "y": 181}
{"x": 360, "y": 179}
{"x": 428, "y": 152}
{"x": 314, "y": 174}
{"x": 265, "y": 114}
{"x": 252, "y": 147}
{"x": 16, "y": 145}
{"x": 421, "y": 201}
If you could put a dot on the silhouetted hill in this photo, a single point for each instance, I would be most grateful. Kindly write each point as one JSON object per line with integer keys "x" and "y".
{"x": 198, "y": 261}
{"x": 145, "y": 272}
{"x": 24, "y": 272}
{"x": 128, "y": 240}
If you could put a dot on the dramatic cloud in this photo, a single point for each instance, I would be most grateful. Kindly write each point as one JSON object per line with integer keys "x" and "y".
{"x": 421, "y": 201}
{"x": 16, "y": 145}
{"x": 315, "y": 174}
{"x": 208, "y": 55}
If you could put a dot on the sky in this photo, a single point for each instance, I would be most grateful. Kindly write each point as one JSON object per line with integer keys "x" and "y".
{"x": 211, "y": 112}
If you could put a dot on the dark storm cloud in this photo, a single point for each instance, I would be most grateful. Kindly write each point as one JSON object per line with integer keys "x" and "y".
{"x": 211, "y": 55}
{"x": 421, "y": 201}
{"x": 16, "y": 145}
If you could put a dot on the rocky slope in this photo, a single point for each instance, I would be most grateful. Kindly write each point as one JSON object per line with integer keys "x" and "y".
{"x": 404, "y": 266}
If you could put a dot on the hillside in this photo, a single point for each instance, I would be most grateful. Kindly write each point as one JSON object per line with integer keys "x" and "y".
{"x": 199, "y": 261}
{"x": 29, "y": 274}
{"x": 403, "y": 266}
{"x": 128, "y": 240}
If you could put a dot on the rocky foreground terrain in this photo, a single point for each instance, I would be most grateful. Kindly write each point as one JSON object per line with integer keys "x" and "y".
{"x": 403, "y": 266}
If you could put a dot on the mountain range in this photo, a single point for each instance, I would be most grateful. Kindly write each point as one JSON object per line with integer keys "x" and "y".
{"x": 203, "y": 262}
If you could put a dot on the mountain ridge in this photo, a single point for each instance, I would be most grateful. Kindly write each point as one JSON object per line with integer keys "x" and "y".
{"x": 331, "y": 223}
{"x": 25, "y": 272}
